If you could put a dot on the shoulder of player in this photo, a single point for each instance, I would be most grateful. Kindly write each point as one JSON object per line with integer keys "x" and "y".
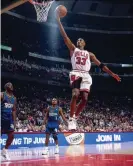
{"x": 73, "y": 47}
{"x": 48, "y": 108}
{"x": 60, "y": 109}
{"x": 15, "y": 98}
{"x": 72, "y": 50}
{"x": 47, "y": 111}
{"x": 2, "y": 95}
{"x": 91, "y": 54}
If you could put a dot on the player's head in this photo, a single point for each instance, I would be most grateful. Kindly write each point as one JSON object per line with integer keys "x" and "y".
{"x": 9, "y": 87}
{"x": 54, "y": 101}
{"x": 80, "y": 43}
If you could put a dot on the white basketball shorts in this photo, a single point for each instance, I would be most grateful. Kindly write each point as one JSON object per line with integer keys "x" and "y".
{"x": 86, "y": 81}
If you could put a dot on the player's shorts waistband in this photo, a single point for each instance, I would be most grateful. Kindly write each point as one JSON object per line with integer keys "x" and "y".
{"x": 82, "y": 71}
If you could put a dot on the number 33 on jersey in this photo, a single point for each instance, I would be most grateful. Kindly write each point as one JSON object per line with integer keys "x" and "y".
{"x": 80, "y": 60}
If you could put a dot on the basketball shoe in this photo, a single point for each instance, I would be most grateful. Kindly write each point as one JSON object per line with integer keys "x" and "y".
{"x": 4, "y": 153}
{"x": 45, "y": 151}
{"x": 71, "y": 124}
{"x": 57, "y": 149}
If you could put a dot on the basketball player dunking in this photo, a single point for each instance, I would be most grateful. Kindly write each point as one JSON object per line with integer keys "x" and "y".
{"x": 8, "y": 116}
{"x": 80, "y": 78}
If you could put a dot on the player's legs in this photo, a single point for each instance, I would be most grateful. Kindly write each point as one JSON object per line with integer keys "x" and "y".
{"x": 56, "y": 142}
{"x": 7, "y": 129}
{"x": 48, "y": 132}
{"x": 9, "y": 139}
{"x": 75, "y": 81}
{"x": 55, "y": 138}
{"x": 46, "y": 144}
{"x": 75, "y": 95}
{"x": 82, "y": 104}
{"x": 53, "y": 132}
{"x": 85, "y": 90}
{"x": 47, "y": 139}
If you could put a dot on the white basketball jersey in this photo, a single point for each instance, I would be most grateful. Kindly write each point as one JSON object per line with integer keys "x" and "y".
{"x": 80, "y": 60}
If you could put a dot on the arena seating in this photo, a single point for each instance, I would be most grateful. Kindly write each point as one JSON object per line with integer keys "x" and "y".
{"x": 103, "y": 112}
{"x": 106, "y": 112}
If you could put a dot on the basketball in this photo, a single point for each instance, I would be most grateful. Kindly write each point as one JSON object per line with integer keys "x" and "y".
{"x": 61, "y": 10}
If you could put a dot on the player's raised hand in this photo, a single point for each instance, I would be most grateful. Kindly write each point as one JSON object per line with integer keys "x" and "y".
{"x": 115, "y": 76}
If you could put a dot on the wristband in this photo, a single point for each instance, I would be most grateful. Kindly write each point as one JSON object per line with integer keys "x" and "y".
{"x": 101, "y": 66}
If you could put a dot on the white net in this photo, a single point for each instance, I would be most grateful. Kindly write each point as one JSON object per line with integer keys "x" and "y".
{"x": 42, "y": 9}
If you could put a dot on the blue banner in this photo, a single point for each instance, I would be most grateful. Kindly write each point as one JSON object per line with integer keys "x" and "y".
{"x": 31, "y": 140}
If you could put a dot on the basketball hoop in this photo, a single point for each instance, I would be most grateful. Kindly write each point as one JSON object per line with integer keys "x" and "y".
{"x": 42, "y": 8}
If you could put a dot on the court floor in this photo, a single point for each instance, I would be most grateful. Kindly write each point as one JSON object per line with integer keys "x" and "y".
{"x": 110, "y": 154}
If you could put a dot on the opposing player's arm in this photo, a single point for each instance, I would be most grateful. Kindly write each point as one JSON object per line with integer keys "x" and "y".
{"x": 62, "y": 115}
{"x": 104, "y": 67}
{"x": 14, "y": 112}
{"x": 68, "y": 42}
{"x": 46, "y": 116}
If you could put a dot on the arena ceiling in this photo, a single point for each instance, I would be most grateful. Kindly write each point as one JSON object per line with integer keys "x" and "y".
{"x": 118, "y": 8}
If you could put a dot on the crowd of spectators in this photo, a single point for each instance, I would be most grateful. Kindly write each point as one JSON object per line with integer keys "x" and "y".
{"x": 33, "y": 70}
{"x": 102, "y": 113}
{"x": 58, "y": 73}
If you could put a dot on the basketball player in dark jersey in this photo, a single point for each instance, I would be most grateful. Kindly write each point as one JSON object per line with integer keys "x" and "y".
{"x": 51, "y": 120}
{"x": 8, "y": 116}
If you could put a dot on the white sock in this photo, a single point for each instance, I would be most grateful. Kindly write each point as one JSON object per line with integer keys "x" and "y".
{"x": 46, "y": 147}
{"x": 70, "y": 118}
{"x": 57, "y": 146}
{"x": 76, "y": 117}
{"x": 4, "y": 149}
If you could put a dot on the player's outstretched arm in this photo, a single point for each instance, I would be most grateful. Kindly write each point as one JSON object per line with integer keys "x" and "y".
{"x": 62, "y": 115}
{"x": 68, "y": 42}
{"x": 14, "y": 113}
{"x": 103, "y": 67}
